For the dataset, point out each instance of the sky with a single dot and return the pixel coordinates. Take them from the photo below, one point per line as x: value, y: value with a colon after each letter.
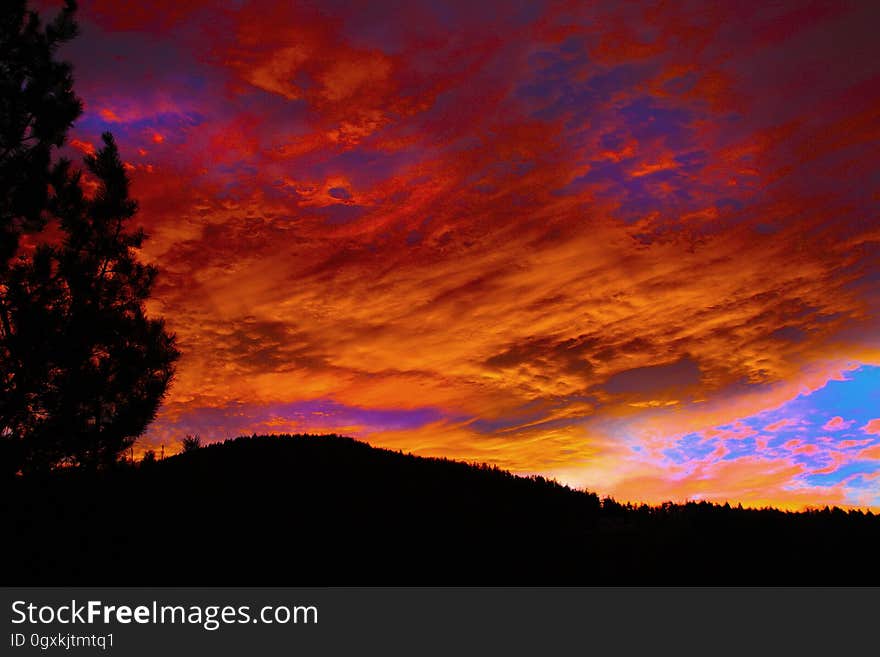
x: 632, y: 246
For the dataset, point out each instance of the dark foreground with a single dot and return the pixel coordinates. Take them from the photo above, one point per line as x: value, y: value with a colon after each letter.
x: 307, y: 511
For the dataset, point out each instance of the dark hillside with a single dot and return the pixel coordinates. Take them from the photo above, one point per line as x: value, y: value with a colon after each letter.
x: 303, y: 510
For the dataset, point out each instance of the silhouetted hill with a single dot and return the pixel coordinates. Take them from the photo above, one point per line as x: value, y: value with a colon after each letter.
x: 305, y: 510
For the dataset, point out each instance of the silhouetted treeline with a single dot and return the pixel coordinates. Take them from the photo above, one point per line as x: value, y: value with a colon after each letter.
x: 304, y: 510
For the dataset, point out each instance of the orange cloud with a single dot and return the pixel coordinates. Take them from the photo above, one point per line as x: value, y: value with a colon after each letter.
x: 584, y: 233
x: 872, y: 427
x: 754, y: 482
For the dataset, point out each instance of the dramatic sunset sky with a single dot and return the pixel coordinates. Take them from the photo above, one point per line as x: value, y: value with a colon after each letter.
x: 632, y: 246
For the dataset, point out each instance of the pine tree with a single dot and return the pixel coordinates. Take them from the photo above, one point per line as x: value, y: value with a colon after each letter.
x: 88, y: 367
x: 37, y: 108
x: 82, y: 368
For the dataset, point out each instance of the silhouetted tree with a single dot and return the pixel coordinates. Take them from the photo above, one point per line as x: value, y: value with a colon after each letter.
x: 82, y: 369
x: 190, y: 443
x: 87, y: 368
x: 37, y: 107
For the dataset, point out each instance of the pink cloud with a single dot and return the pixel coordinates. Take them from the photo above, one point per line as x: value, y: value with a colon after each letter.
x: 779, y: 424
x: 837, y: 423
x: 740, y: 431
x: 847, y: 444
x: 797, y: 446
